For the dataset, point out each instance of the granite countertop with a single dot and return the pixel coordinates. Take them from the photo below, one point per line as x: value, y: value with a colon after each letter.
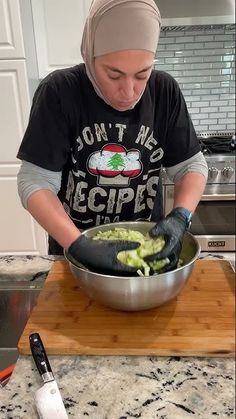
x: 119, y: 387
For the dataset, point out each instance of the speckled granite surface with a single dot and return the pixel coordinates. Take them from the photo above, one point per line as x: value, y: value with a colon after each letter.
x: 115, y: 387
x: 127, y: 387
x: 25, y: 268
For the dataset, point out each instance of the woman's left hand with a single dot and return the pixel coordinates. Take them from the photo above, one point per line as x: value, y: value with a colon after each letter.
x: 172, y: 229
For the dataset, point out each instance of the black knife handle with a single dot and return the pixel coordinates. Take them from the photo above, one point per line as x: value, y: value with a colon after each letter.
x: 39, y: 354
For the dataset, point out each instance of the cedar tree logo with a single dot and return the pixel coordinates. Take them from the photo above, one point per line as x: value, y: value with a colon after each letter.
x: 114, y: 165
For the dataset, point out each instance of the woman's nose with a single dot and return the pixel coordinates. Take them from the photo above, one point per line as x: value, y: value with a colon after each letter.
x: 127, y: 89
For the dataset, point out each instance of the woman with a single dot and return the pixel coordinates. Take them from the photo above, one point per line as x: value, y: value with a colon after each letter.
x: 98, y: 135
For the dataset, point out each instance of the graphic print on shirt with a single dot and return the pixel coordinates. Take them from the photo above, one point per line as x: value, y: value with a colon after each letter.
x: 111, y: 181
x: 114, y: 165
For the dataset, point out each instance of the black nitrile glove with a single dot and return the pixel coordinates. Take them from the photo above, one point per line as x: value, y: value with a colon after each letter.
x: 172, y: 229
x: 101, y: 255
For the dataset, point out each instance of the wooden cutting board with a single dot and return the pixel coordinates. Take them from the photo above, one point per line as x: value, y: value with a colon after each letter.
x: 200, y: 321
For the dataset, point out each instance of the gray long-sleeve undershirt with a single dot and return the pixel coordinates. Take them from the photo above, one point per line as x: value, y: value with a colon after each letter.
x: 32, y: 178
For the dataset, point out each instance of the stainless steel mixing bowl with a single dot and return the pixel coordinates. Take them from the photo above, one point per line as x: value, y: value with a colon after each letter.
x: 135, y: 293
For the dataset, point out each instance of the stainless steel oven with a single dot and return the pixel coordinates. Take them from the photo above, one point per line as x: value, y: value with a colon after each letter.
x: 213, y: 222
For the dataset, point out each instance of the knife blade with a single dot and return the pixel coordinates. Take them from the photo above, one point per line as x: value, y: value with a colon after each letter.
x: 48, y: 398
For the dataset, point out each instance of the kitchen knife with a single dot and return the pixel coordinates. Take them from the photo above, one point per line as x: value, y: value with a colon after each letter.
x: 48, y: 399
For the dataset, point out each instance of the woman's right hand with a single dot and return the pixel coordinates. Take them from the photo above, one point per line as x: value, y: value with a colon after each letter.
x: 101, y: 255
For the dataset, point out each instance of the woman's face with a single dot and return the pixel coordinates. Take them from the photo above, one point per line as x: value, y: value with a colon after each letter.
x: 122, y: 76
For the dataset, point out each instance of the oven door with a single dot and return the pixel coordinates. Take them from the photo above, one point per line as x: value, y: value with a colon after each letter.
x: 213, y: 222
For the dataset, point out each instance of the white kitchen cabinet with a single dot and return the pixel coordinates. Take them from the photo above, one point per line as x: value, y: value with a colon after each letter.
x: 19, y: 233
x: 58, y: 28
x: 14, y: 108
x: 11, y: 40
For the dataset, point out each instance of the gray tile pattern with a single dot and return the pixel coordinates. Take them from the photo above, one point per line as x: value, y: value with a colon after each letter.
x: 203, y: 63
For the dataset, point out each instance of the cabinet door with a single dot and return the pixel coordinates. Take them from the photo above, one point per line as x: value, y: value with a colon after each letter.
x: 20, y: 234
x: 58, y: 28
x: 11, y: 38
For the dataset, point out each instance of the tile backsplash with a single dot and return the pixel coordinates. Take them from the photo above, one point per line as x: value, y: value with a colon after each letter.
x: 202, y: 60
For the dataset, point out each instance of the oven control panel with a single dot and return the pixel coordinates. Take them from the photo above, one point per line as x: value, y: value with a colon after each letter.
x: 221, y: 170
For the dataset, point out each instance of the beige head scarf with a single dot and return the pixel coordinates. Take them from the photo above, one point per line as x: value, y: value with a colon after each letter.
x: 116, y: 25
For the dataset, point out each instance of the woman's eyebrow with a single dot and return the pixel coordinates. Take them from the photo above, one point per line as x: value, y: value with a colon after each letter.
x: 121, y: 72
x: 145, y: 69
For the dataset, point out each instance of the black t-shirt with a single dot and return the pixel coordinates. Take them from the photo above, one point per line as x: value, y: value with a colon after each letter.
x: 110, y: 160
